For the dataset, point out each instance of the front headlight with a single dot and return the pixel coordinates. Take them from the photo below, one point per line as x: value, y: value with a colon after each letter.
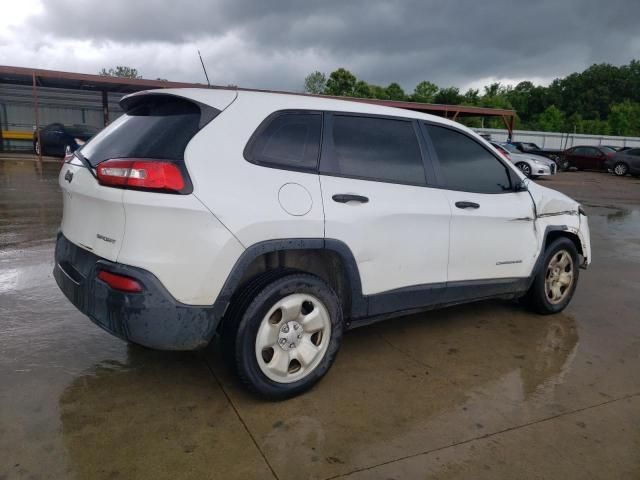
x: 79, y: 141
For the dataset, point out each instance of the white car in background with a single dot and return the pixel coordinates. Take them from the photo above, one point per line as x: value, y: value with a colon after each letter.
x: 531, y: 165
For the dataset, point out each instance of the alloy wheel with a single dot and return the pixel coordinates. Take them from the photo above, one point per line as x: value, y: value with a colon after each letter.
x: 526, y: 169
x: 620, y: 169
x: 559, y: 277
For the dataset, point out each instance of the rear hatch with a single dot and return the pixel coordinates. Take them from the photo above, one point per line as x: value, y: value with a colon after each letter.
x: 153, y: 132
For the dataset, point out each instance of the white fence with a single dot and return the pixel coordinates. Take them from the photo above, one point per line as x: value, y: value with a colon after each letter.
x: 559, y: 140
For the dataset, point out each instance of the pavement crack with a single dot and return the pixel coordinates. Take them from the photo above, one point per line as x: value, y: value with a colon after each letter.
x: 244, y: 424
x: 405, y: 353
x: 482, y: 437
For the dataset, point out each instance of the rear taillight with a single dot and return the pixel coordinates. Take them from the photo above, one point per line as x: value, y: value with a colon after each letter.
x: 120, y: 282
x: 505, y: 155
x: 144, y: 174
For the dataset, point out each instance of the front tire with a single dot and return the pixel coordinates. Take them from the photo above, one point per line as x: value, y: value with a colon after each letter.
x: 555, y: 283
x: 563, y: 164
x: 287, y: 336
x: 620, y: 169
x: 524, y: 168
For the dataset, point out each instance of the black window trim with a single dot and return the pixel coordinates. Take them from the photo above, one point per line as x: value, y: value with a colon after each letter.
x: 511, y: 174
x: 328, y: 149
x: 265, y: 124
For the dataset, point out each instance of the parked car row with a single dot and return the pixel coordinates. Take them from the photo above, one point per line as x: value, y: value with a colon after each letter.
x: 529, y: 158
x: 621, y: 162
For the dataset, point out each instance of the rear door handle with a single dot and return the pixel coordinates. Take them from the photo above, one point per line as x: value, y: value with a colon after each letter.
x: 345, y: 197
x: 467, y: 205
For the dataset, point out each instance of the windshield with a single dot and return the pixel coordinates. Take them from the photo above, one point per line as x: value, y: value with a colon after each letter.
x: 607, y: 150
x: 510, y: 148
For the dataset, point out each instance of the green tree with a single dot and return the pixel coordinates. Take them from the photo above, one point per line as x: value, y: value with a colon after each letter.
x: 448, y: 96
x: 378, y: 92
x: 471, y: 97
x: 120, y: 71
x: 551, y: 120
x: 341, y: 83
x: 575, y: 123
x: 315, y: 83
x: 395, y: 92
x: 362, y: 90
x: 596, y: 127
x: 424, y: 92
x: 624, y: 118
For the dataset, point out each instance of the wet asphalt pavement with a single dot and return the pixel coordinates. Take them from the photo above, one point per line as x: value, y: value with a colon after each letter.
x: 479, y: 391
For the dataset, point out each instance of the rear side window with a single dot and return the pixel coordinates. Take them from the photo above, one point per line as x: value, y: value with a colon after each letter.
x: 372, y: 148
x: 467, y: 165
x: 157, y: 127
x: 288, y: 140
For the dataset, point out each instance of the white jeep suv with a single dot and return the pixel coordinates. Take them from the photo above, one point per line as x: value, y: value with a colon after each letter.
x: 276, y: 222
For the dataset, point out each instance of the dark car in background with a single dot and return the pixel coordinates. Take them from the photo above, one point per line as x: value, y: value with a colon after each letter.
x: 56, y: 137
x: 623, y: 162
x: 587, y: 157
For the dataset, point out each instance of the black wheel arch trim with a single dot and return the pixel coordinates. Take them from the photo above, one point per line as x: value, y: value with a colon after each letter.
x: 358, y: 304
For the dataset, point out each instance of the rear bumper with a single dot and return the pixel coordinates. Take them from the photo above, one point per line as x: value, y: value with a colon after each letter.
x: 152, y: 318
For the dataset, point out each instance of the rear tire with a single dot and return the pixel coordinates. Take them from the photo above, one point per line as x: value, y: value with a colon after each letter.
x: 555, y: 283
x: 286, y: 334
x: 620, y: 169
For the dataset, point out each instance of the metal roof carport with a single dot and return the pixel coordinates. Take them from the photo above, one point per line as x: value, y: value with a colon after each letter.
x: 106, y: 84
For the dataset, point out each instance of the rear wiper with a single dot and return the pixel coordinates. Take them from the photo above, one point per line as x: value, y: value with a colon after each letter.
x: 84, y: 161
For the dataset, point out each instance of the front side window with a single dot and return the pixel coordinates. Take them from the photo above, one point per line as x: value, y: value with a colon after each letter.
x: 380, y: 149
x: 592, y: 152
x: 466, y: 165
x: 635, y: 152
x: 289, y: 140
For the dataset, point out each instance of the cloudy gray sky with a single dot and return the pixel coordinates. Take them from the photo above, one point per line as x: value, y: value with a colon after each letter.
x: 274, y: 44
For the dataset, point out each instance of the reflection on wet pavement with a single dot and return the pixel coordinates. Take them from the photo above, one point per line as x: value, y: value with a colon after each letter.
x: 481, y: 391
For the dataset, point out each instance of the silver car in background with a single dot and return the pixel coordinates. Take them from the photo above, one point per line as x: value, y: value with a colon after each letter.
x: 530, y: 164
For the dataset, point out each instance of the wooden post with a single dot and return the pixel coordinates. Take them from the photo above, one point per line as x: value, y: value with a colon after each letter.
x: 105, y: 107
x: 37, y: 115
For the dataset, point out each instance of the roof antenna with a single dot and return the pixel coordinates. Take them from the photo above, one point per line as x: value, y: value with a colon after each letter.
x: 205, y: 70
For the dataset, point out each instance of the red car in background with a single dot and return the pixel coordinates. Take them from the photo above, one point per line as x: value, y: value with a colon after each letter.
x: 587, y: 157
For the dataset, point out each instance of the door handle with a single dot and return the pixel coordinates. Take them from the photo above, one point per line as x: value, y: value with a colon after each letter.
x: 345, y: 197
x: 467, y: 205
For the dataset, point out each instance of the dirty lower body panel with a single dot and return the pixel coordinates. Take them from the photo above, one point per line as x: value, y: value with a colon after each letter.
x: 152, y: 318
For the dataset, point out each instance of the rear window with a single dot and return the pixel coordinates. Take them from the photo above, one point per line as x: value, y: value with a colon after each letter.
x: 158, y: 127
x: 81, y: 130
